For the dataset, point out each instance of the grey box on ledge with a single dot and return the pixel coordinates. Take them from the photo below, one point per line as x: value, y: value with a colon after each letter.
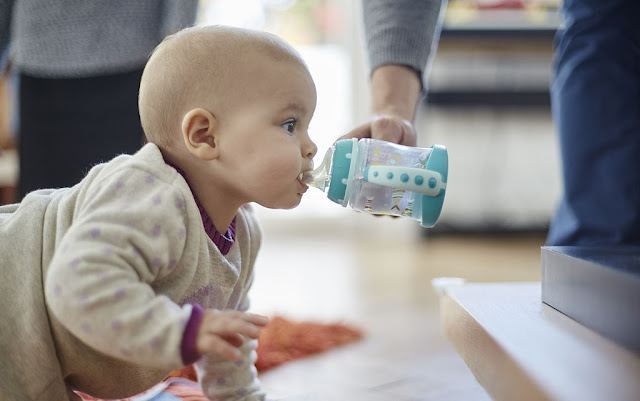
x: 597, y: 286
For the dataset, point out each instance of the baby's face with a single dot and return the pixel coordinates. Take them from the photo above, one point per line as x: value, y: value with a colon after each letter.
x: 271, y: 146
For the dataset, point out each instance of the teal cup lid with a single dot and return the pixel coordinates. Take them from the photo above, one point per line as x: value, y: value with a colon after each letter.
x: 340, y: 167
x: 432, y: 205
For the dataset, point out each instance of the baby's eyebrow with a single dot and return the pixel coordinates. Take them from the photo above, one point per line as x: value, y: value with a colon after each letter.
x: 294, y: 106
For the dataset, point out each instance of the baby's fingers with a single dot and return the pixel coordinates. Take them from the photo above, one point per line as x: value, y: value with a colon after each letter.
x: 239, y: 326
x: 234, y: 339
x: 246, y: 324
x: 226, y: 323
x: 212, y: 344
x: 258, y: 320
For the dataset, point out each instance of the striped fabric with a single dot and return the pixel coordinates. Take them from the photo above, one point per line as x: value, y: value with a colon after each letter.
x: 172, y: 389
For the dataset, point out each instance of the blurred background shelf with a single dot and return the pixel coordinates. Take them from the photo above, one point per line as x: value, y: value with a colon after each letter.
x: 489, y: 102
x: 500, y: 19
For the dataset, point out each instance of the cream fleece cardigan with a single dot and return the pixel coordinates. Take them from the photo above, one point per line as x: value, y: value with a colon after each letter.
x: 98, y: 281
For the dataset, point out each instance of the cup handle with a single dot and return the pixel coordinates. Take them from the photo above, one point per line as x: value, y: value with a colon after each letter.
x: 426, y: 182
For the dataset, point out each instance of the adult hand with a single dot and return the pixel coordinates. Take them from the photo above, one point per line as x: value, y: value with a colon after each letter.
x: 395, y: 92
x: 221, y: 332
x: 388, y: 128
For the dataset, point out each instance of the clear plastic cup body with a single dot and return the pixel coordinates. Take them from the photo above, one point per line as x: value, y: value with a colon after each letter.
x: 383, y: 178
x: 374, y: 198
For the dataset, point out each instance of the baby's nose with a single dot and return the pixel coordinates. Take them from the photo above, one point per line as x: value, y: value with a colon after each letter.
x: 311, y: 149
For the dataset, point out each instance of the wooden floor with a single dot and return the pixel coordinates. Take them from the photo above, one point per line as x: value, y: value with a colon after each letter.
x: 382, y: 285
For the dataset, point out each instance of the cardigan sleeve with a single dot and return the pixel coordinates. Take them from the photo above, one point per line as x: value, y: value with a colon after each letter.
x: 128, y: 233
x: 401, y: 32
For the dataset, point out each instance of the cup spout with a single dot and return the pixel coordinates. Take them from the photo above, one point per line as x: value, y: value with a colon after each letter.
x: 321, y: 176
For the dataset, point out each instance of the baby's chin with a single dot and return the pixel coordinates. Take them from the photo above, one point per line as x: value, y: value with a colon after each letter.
x: 283, y: 204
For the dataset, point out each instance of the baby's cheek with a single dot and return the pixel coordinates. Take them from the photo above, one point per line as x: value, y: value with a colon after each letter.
x: 284, y: 169
x: 279, y: 181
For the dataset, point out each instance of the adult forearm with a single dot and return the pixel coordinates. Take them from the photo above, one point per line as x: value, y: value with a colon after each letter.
x: 395, y: 91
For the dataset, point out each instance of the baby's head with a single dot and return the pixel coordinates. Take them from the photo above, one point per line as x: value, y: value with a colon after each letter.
x: 208, y: 67
x: 230, y: 102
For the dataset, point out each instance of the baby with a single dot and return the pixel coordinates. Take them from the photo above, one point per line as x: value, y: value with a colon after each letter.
x: 144, y: 266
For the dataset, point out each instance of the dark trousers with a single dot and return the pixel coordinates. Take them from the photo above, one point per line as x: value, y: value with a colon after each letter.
x: 66, y: 126
x: 596, y: 109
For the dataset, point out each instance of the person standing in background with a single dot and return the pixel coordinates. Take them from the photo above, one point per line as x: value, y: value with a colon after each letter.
x: 595, y: 97
x: 79, y: 65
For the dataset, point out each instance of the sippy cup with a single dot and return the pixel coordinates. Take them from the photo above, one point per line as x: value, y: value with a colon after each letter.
x: 380, y: 177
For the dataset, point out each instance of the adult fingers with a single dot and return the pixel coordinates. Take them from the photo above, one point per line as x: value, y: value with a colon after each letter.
x: 388, y: 128
x: 362, y: 131
x: 393, y: 129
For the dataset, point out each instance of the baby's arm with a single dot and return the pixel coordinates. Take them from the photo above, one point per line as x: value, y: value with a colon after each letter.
x: 129, y: 231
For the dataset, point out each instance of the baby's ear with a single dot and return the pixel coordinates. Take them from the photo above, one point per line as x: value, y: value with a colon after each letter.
x: 198, y: 129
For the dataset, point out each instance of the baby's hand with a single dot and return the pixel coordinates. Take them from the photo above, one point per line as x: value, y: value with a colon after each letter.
x: 221, y: 332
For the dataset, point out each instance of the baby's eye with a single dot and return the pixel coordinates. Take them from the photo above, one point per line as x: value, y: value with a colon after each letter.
x: 289, y: 126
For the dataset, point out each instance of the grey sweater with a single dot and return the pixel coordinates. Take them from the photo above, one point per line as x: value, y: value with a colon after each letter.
x: 84, y: 38
x: 401, y: 32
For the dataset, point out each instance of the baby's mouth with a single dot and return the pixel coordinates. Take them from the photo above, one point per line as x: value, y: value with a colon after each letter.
x: 306, y: 175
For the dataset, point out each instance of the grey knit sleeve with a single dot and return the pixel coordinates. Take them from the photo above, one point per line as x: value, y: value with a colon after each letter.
x: 400, y: 31
x: 177, y: 14
x: 6, y: 8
